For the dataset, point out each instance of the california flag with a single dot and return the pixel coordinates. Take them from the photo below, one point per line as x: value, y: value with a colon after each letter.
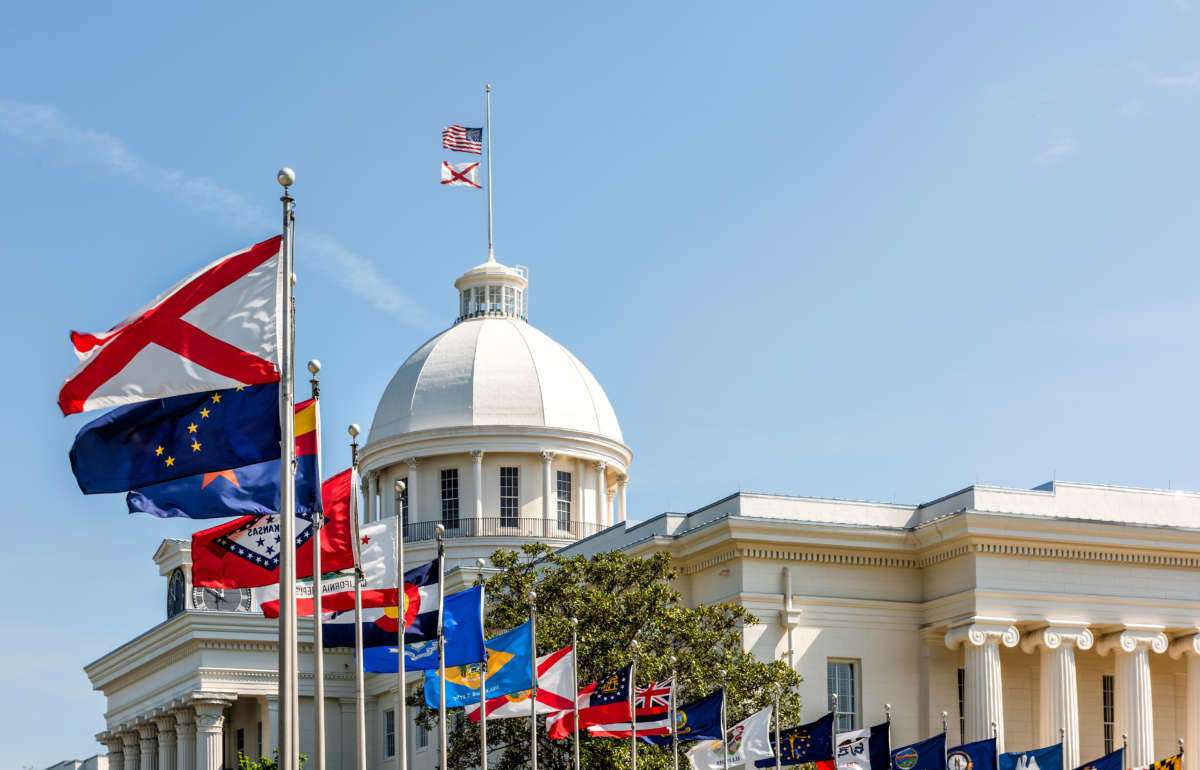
x: 555, y: 689
x: 749, y: 741
x: 216, y: 329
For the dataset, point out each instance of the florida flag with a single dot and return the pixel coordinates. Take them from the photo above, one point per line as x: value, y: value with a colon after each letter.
x: 218, y: 328
x: 555, y: 685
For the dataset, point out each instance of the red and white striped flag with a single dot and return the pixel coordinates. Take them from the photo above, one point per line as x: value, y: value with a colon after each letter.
x: 463, y: 139
x: 652, y: 705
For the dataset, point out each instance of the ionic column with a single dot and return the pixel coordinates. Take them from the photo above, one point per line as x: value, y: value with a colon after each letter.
x: 116, y: 749
x: 414, y: 466
x: 131, y: 753
x: 477, y: 470
x: 210, y: 718
x: 373, y: 496
x: 1059, y: 690
x: 1189, y: 646
x: 185, y: 738
x: 981, y: 642
x: 1134, y: 712
x: 166, y: 741
x: 601, y: 492
x: 622, y: 482
x: 548, y: 495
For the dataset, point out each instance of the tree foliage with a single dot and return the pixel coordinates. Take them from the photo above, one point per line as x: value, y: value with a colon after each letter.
x: 616, y: 599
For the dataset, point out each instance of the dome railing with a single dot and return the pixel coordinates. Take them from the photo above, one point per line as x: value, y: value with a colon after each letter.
x: 554, y: 529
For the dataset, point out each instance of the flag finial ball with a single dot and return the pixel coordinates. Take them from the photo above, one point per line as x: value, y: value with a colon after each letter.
x: 286, y: 176
x: 314, y: 366
x: 440, y: 529
x: 400, y: 488
x: 353, y: 430
x: 479, y: 563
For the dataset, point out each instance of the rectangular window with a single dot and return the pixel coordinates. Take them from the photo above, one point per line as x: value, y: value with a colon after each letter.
x: 402, y: 504
x: 450, y: 498
x: 510, y: 494
x: 259, y: 744
x: 465, y: 309
x: 1110, y: 711
x: 842, y: 680
x: 480, y: 304
x: 389, y: 733
x: 423, y: 736
x: 494, y: 298
x: 509, y: 301
x: 564, y: 500
x: 962, y: 705
x: 241, y: 739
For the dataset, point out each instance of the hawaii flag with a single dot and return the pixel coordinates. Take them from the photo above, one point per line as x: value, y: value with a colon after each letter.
x: 749, y: 740
x: 218, y: 328
x: 555, y: 685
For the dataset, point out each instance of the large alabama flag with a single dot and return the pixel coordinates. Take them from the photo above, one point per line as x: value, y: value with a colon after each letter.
x: 555, y: 685
x: 218, y: 328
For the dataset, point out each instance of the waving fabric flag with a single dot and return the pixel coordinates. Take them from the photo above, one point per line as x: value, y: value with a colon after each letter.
x: 555, y: 672
x: 463, y: 139
x: 697, y: 721
x: 461, y: 174
x: 509, y: 670
x: 978, y: 755
x: 929, y: 754
x: 1048, y: 758
x: 651, y: 704
x: 1170, y: 763
x: 868, y: 749
x: 805, y: 744
x: 749, y: 742
x: 215, y: 329
x: 605, y: 701
x: 462, y: 628
x: 169, y: 438
x: 1115, y: 760
x: 245, y: 552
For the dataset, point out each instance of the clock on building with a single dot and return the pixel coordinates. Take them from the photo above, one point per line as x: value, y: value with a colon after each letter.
x: 176, y: 593
x: 222, y: 599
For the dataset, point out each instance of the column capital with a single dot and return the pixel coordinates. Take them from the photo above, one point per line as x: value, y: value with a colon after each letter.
x: 185, y: 716
x: 1183, y: 646
x: 147, y: 730
x: 981, y: 631
x: 547, y: 455
x: 476, y: 456
x: 1133, y: 637
x: 164, y: 720
x: 623, y: 479
x: 599, y: 465
x: 1057, y: 634
x: 413, y: 462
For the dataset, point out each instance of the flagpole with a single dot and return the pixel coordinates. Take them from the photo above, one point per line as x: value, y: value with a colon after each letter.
x: 488, y: 138
x: 674, y: 719
x: 724, y: 731
x: 401, y: 612
x: 360, y: 697
x: 483, y: 758
x: 575, y: 683
x: 533, y: 747
x: 834, y: 725
x: 318, y: 521
x: 287, y: 728
x: 633, y: 646
x: 441, y: 641
x: 777, y: 745
x: 887, y: 712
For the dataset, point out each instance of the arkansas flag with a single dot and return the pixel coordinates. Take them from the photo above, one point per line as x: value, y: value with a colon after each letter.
x: 218, y: 328
x: 555, y: 685
x: 236, y: 555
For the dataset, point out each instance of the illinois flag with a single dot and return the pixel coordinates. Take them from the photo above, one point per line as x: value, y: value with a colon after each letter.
x: 218, y: 328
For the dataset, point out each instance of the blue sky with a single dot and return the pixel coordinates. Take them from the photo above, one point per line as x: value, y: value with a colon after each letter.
x: 876, y: 251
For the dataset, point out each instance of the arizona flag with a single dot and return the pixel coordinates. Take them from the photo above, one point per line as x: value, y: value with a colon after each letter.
x: 218, y: 328
x: 244, y: 553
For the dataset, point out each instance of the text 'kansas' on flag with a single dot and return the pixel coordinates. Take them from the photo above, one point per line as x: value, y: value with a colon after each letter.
x: 463, y: 139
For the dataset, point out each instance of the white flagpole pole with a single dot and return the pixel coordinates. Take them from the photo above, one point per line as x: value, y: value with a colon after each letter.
x: 674, y: 719
x: 724, y: 730
x: 533, y: 747
x: 441, y: 642
x: 633, y: 645
x: 575, y: 683
x: 483, y: 757
x: 318, y: 521
x: 360, y: 697
x: 401, y: 714
x: 488, y: 138
x: 287, y: 728
x: 777, y: 744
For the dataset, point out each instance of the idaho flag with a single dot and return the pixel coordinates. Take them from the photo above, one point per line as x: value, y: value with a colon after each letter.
x: 980, y: 755
x: 509, y: 670
x: 168, y: 438
x: 462, y: 628
x: 251, y: 490
x: 697, y: 721
x: 801, y: 745
x: 1049, y: 758
x: 1114, y: 760
x: 929, y: 754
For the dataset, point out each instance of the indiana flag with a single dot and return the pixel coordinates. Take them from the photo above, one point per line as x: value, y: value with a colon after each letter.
x: 605, y: 701
x: 555, y: 686
x: 218, y: 328
x: 461, y: 174
x: 808, y: 743
x: 245, y: 553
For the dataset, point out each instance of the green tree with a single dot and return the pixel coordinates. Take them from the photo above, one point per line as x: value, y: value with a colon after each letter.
x: 616, y: 599
x: 264, y: 763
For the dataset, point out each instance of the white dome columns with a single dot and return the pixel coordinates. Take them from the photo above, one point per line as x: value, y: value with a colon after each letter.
x: 477, y: 474
x: 1059, y: 688
x: 984, y: 705
x: 1189, y: 647
x: 1134, y: 712
x: 549, y: 497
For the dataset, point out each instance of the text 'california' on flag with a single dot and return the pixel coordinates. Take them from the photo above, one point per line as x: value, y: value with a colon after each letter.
x: 218, y: 328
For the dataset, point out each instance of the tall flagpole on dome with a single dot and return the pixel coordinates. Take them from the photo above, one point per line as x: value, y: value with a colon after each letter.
x: 360, y: 698
x: 488, y: 137
x: 288, y: 700
x: 401, y: 716
x: 318, y: 520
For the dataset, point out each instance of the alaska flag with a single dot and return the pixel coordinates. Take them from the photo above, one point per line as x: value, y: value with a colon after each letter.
x: 812, y: 742
x: 980, y: 755
x: 462, y: 626
x: 929, y: 754
x: 697, y: 721
x: 1114, y: 760
x: 509, y: 670
x: 252, y: 490
x: 169, y: 438
x: 1048, y: 758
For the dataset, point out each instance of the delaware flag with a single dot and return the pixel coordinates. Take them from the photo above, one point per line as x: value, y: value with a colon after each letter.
x: 929, y: 754
x: 1116, y: 761
x: 1049, y: 758
x: 801, y: 745
x: 250, y: 490
x: 980, y: 755
x: 509, y: 670
x: 462, y: 627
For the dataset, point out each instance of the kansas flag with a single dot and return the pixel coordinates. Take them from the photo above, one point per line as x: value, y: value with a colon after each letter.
x: 1049, y: 758
x: 929, y: 754
x: 509, y: 670
x: 462, y: 627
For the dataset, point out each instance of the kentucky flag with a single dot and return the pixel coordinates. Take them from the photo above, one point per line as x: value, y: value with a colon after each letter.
x: 697, y: 721
x: 980, y: 755
x: 810, y: 743
x: 169, y: 438
x: 1114, y: 760
x: 1049, y: 758
x: 929, y: 754
x: 462, y: 628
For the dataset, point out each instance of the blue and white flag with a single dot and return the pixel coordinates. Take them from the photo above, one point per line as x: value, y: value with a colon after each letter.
x: 509, y: 670
x: 1114, y: 760
x: 462, y: 628
x: 1049, y: 758
x: 867, y: 749
x: 929, y: 754
x: 980, y: 755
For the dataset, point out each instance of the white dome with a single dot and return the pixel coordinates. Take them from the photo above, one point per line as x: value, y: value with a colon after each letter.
x: 493, y: 371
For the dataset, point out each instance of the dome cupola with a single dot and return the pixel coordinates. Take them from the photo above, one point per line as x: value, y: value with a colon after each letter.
x: 493, y: 290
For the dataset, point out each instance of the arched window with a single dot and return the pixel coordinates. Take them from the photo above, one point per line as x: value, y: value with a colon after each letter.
x: 176, y: 594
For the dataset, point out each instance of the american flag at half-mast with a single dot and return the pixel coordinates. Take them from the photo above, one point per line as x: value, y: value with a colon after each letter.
x: 463, y: 139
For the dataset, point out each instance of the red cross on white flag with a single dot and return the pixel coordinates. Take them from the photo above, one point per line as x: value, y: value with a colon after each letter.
x: 461, y: 174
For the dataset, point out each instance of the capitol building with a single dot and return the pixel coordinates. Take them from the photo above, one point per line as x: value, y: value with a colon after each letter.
x: 1066, y: 609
